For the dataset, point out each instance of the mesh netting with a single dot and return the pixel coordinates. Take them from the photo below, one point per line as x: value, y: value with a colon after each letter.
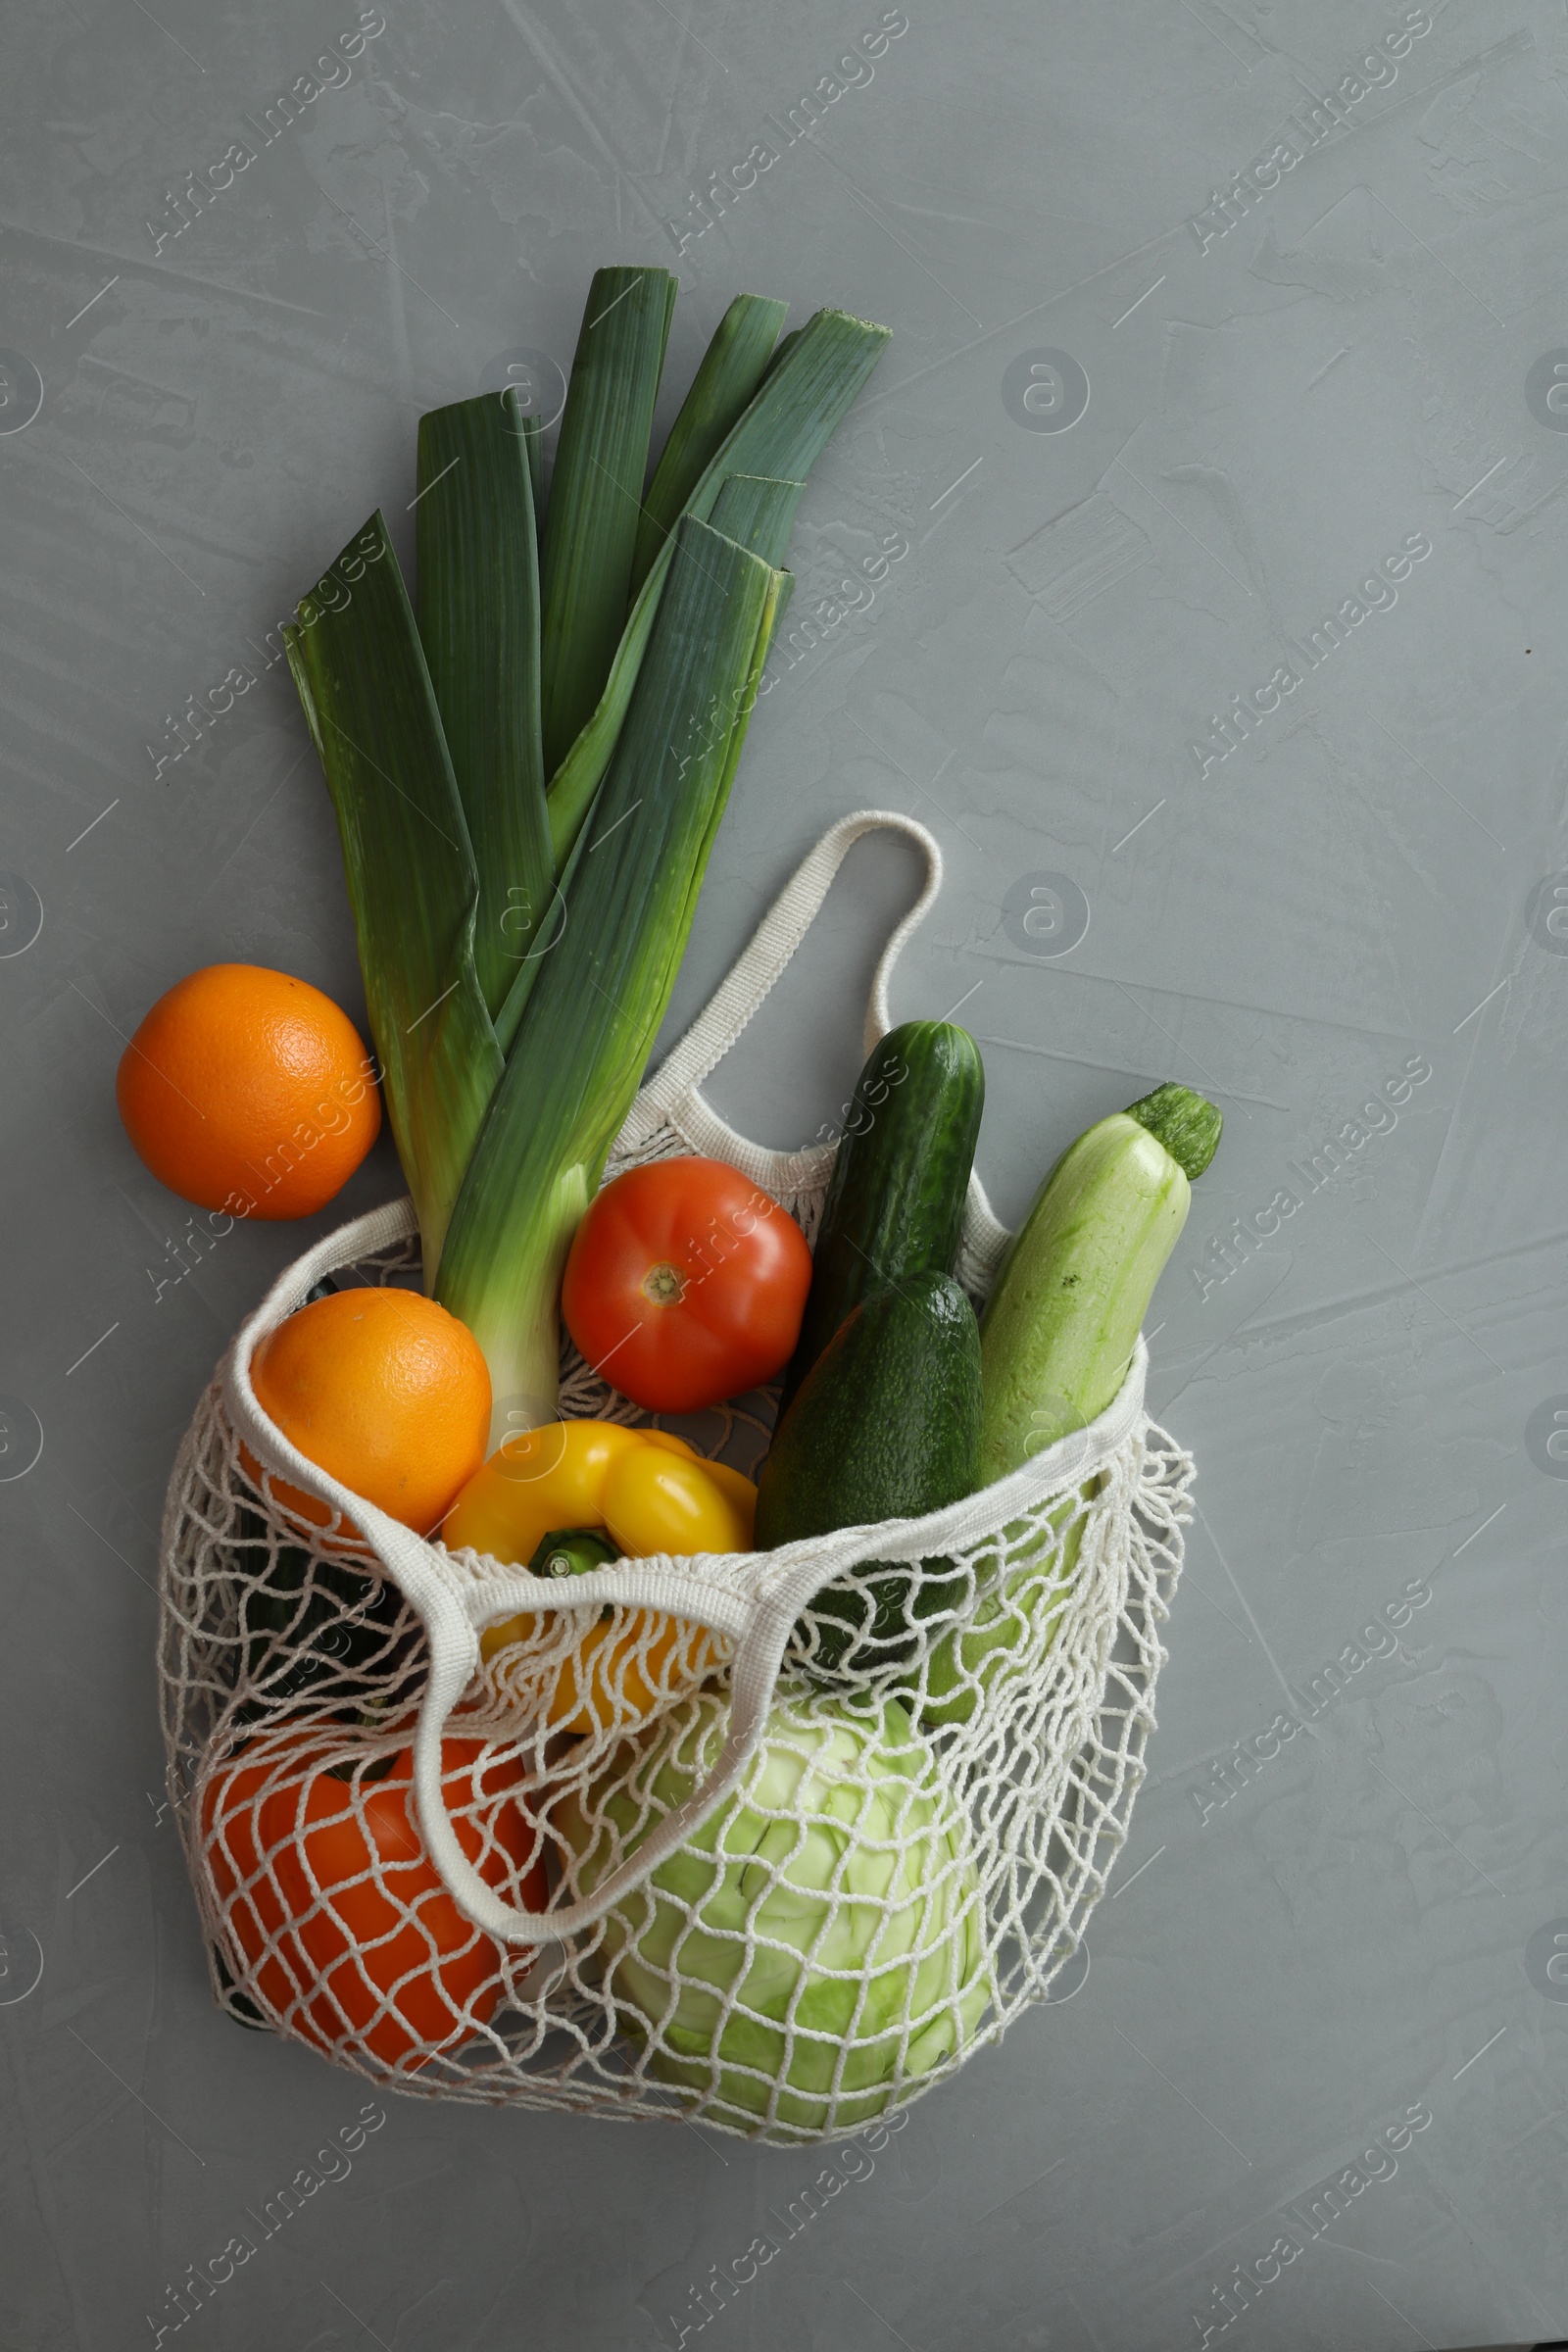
x: 935, y: 1795
x: 772, y: 1840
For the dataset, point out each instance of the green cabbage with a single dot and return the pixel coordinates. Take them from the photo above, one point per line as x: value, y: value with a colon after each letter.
x: 818, y: 1942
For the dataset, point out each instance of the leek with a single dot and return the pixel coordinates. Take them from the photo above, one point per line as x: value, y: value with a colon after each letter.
x: 533, y: 441
x: 760, y: 513
x: 733, y: 366
x: 782, y: 433
x: 413, y: 883
x: 480, y: 623
x: 784, y: 346
x: 517, y: 960
x: 590, y: 532
x: 601, y: 994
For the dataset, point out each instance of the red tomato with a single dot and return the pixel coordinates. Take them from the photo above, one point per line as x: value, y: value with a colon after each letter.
x: 686, y: 1284
x: 350, y: 1937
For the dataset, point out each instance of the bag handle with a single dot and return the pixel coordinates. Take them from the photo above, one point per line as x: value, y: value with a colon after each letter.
x: 780, y: 932
x: 670, y: 1096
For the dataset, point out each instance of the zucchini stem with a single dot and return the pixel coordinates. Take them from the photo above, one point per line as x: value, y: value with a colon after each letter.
x: 1186, y: 1124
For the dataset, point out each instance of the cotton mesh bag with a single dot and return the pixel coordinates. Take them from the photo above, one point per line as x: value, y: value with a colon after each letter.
x: 773, y: 1840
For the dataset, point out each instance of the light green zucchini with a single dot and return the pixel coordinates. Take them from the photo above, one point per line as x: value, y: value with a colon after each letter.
x: 1056, y: 1338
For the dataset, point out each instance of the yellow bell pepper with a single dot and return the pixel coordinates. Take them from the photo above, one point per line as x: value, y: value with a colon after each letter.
x: 545, y: 1479
x: 652, y: 1493
x: 657, y: 1501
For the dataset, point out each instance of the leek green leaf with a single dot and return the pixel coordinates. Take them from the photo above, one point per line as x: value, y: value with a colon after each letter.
x: 761, y: 515
x: 480, y: 625
x: 757, y: 512
x: 784, y: 346
x: 732, y: 366
x: 360, y: 667
x: 533, y: 442
x: 601, y: 991
x: 782, y: 433
x: 596, y: 493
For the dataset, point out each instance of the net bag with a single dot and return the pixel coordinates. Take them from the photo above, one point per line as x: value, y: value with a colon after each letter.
x: 771, y: 1841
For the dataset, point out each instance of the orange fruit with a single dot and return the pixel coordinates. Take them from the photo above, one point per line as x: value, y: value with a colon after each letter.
x: 385, y: 1391
x: 248, y: 1090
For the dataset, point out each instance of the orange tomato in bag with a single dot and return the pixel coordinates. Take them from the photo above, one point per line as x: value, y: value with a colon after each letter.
x: 336, y: 1908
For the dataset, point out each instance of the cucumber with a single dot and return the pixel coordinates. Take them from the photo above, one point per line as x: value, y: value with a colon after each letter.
x: 886, y: 1425
x: 313, y: 1624
x: 1057, y: 1334
x: 895, y: 1203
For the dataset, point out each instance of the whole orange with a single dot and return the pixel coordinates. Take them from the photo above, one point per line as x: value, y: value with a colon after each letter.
x: 248, y: 1090
x: 385, y: 1391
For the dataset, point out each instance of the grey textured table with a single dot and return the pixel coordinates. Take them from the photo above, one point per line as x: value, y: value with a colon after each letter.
x: 1220, y: 639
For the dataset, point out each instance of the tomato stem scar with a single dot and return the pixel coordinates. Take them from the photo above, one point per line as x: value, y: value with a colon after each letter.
x: 664, y: 1284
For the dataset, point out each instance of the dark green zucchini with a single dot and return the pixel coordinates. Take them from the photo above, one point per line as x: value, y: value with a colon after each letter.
x: 886, y: 1425
x: 308, y: 1624
x: 895, y: 1203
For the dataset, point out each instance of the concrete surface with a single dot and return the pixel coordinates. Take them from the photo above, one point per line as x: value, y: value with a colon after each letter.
x: 1130, y: 447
